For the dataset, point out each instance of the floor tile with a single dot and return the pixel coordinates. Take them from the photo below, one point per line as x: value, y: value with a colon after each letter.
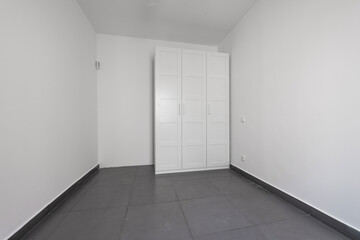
x: 187, y: 176
x: 232, y: 184
x: 145, y: 170
x: 219, y: 173
x: 197, y: 188
x: 104, y: 198
x: 152, y: 180
x: 261, y: 206
x: 155, y: 222
x: 68, y: 204
x: 211, y: 215
x: 149, y: 193
x: 113, y: 179
x: 299, y: 229
x: 91, y: 225
x: 44, y: 229
x: 251, y: 233
x: 119, y: 171
x: 217, y: 204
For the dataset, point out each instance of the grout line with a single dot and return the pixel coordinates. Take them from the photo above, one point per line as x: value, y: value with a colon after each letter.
x: 228, y: 230
x: 182, y: 210
x: 152, y: 203
x: 127, y: 206
x: 96, y: 209
x: 255, y: 225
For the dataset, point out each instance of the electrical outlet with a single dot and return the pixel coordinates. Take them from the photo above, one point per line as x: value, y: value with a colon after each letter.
x: 243, y: 158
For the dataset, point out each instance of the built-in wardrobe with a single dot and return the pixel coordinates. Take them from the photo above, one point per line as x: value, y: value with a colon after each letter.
x: 191, y: 110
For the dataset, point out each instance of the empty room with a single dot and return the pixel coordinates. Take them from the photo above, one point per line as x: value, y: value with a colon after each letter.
x: 180, y: 119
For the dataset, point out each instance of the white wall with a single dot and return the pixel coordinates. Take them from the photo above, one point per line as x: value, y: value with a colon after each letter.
x: 48, y: 136
x: 125, y: 98
x: 295, y: 76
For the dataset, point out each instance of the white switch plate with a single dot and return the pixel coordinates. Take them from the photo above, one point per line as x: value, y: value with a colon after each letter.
x: 242, y: 119
x: 243, y: 158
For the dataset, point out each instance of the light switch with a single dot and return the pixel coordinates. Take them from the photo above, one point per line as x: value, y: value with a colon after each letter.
x: 242, y: 119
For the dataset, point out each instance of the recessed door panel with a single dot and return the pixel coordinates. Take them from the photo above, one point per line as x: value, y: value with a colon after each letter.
x: 168, y: 61
x: 217, y: 133
x: 167, y: 87
x: 193, y: 110
x: 194, y: 155
x: 217, y: 65
x: 168, y: 133
x: 217, y: 88
x: 194, y: 133
x: 166, y: 158
x: 217, y: 155
x: 217, y: 111
x: 193, y: 87
x: 193, y: 63
x: 168, y: 110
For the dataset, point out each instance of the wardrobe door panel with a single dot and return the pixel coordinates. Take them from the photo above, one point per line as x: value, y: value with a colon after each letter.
x: 217, y: 110
x: 193, y: 109
x: 167, y: 109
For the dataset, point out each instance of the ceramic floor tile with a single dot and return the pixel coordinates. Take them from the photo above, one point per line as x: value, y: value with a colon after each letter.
x: 44, y: 229
x: 261, y: 206
x: 216, y: 204
x: 219, y: 173
x: 155, y: 222
x: 68, y: 204
x: 232, y: 184
x: 251, y: 233
x: 299, y: 229
x: 104, y: 198
x: 187, y: 176
x: 91, y: 225
x: 145, y: 170
x: 143, y: 194
x: 197, y: 188
x: 113, y: 180
x: 211, y: 215
x: 118, y: 171
x: 148, y: 179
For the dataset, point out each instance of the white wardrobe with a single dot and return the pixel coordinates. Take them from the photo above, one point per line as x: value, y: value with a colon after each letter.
x: 191, y: 110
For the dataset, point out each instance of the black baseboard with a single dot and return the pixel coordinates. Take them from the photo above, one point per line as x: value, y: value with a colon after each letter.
x: 21, y: 233
x: 323, y: 217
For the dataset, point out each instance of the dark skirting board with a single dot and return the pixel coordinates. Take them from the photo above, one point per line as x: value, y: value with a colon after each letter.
x: 323, y: 217
x: 22, y: 232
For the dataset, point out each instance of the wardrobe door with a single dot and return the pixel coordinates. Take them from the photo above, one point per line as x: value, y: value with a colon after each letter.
x: 193, y: 109
x: 167, y: 109
x: 217, y: 110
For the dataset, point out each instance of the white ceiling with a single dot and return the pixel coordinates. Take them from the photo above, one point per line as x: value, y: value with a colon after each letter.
x: 193, y: 21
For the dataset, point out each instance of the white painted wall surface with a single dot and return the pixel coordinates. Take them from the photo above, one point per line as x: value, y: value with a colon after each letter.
x: 125, y: 98
x: 295, y: 76
x: 48, y: 137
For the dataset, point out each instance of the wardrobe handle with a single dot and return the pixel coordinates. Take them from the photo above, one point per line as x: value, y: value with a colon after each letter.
x: 183, y: 108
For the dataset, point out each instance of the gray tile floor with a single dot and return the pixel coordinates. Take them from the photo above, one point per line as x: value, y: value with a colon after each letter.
x: 132, y: 203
